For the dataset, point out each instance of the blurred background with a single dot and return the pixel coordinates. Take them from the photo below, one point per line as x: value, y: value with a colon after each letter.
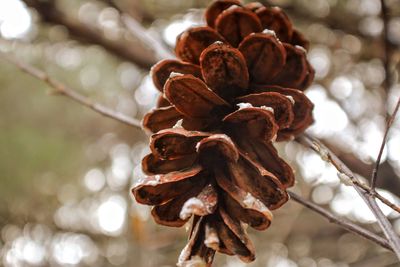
x: 65, y: 171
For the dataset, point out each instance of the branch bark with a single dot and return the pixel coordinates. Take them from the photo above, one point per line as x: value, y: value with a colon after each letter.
x: 346, y: 224
x: 389, y: 124
x: 137, y: 29
x: 368, y: 198
x: 386, y: 46
x: 64, y: 90
x: 386, y: 87
x: 138, y: 54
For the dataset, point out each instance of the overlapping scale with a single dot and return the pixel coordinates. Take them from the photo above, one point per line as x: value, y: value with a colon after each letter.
x: 236, y: 88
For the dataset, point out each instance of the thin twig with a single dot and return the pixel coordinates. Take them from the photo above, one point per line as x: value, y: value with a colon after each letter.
x: 64, y: 90
x: 389, y: 123
x: 364, y: 169
x: 346, y: 224
x: 368, y: 198
x: 386, y: 85
x: 375, y: 194
x: 141, y: 55
x: 137, y: 29
x: 386, y: 46
x: 356, y: 182
x: 155, y: 45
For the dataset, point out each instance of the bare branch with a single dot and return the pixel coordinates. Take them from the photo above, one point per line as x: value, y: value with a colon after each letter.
x: 136, y: 29
x: 389, y: 123
x: 358, y: 166
x: 356, y: 182
x: 386, y: 85
x: 64, y: 90
x: 386, y: 46
x: 138, y: 54
x: 140, y: 32
x: 346, y: 224
x: 368, y: 198
x: 375, y: 194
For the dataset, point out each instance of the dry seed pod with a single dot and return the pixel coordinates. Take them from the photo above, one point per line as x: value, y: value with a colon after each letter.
x: 236, y: 89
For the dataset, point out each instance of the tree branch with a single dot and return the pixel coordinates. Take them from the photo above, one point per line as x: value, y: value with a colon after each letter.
x: 368, y: 198
x: 138, y: 30
x: 140, y: 54
x: 361, y: 185
x: 389, y: 123
x: 386, y: 86
x: 386, y: 46
x: 64, y: 90
x: 346, y: 224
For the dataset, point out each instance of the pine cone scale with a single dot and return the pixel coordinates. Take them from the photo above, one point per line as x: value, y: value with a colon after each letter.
x: 234, y: 237
x: 168, y: 214
x: 235, y: 23
x: 254, y: 122
x: 216, y: 8
x: 265, y: 56
x: 191, y: 96
x: 161, y: 118
x: 265, y: 154
x: 273, y: 18
x: 243, y: 205
x: 203, y: 204
x: 257, y: 181
x: 295, y: 71
x: 161, y: 188
x: 280, y: 104
x: 224, y: 69
x: 163, y: 69
x: 153, y: 165
x: 192, y: 42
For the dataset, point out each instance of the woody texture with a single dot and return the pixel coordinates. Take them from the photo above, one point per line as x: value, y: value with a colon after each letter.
x: 235, y: 89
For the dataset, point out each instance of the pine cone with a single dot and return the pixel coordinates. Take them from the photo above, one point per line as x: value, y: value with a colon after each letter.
x: 236, y: 90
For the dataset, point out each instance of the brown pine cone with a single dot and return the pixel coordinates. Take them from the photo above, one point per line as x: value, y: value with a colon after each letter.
x: 236, y: 91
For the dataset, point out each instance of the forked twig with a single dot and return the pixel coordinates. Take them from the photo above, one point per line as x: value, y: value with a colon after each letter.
x: 368, y: 198
x: 367, y: 189
x: 64, y: 90
x: 346, y: 224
